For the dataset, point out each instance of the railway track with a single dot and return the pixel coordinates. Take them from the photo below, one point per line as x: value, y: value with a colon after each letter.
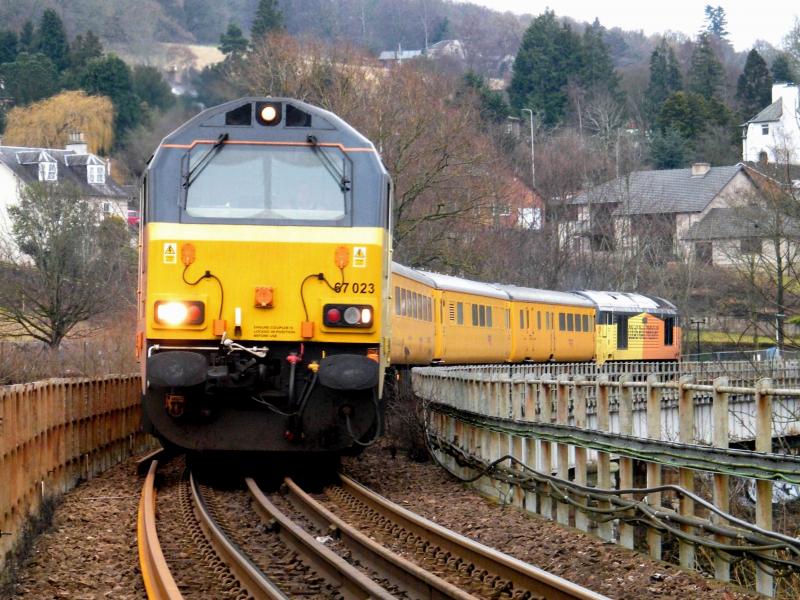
x: 346, y: 543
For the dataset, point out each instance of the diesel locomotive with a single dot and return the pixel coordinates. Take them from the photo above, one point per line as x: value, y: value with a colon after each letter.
x: 264, y: 259
x: 266, y: 314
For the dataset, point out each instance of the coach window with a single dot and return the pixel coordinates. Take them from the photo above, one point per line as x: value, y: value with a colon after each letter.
x: 482, y: 314
x: 488, y: 316
x: 538, y: 319
x: 460, y: 313
x: 527, y: 319
x: 521, y: 319
x: 586, y: 322
x: 474, y: 315
x: 562, y: 322
x: 578, y: 323
x: 397, y: 301
x: 569, y: 322
x: 669, y: 323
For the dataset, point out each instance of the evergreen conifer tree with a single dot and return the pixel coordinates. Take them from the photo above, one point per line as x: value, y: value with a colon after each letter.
x: 782, y: 70
x: 597, y: 70
x: 716, y: 21
x: 26, y: 37
x: 268, y: 18
x: 705, y: 73
x: 233, y: 42
x: 51, y: 39
x: 548, y: 56
x: 754, y: 87
x: 665, y: 78
x: 8, y: 46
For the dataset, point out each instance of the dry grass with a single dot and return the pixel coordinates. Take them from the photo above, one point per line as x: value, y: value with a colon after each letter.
x: 106, y: 348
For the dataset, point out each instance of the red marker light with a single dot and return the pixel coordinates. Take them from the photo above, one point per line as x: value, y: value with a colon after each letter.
x: 333, y: 315
x: 194, y: 314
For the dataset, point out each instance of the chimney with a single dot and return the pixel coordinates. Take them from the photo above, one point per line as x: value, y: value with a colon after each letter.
x: 700, y: 169
x: 76, y: 143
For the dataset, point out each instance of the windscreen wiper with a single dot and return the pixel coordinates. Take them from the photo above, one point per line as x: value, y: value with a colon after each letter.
x: 193, y: 173
x: 339, y: 177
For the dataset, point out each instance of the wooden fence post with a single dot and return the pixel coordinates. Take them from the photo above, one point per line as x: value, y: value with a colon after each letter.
x: 625, y: 464
x: 653, y: 469
x: 604, y: 529
x: 531, y: 393
x: 686, y: 476
x: 579, y: 411
x: 562, y: 450
x: 764, y: 580
x: 546, y: 454
x: 721, y: 498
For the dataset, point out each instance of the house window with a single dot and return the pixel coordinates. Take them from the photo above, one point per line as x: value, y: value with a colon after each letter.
x: 107, y: 208
x: 48, y: 171
x: 750, y: 245
x: 530, y: 218
x: 765, y: 129
x: 96, y: 174
x: 703, y: 252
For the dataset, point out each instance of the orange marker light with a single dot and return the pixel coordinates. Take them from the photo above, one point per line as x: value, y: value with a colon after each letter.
x: 187, y: 254
x: 342, y: 257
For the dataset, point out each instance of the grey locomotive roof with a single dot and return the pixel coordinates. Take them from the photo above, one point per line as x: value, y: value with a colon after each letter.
x: 72, y: 168
x: 736, y: 223
x: 412, y: 274
x: 466, y: 286
x: 525, y: 294
x: 665, y: 191
x: 627, y: 302
x: 773, y: 112
x: 326, y: 126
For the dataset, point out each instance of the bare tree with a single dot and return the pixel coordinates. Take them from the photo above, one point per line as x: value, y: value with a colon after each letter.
x: 72, y: 269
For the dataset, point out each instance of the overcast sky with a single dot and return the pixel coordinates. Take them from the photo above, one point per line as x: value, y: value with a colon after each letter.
x: 748, y: 21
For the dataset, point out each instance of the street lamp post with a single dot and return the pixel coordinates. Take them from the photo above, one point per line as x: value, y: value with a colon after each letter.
x: 533, y: 155
x: 697, y: 323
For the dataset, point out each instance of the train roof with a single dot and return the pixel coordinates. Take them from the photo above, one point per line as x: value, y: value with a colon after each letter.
x: 628, y: 302
x: 457, y: 284
x: 412, y: 274
x: 526, y: 294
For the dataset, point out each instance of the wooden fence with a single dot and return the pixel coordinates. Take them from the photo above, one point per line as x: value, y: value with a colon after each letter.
x: 527, y: 438
x: 57, y: 432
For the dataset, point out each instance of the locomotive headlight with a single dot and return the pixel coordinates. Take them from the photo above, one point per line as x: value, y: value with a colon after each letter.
x: 268, y: 113
x: 366, y: 315
x: 175, y: 313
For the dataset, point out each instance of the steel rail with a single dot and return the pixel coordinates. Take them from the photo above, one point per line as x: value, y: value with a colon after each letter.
x: 352, y: 583
x: 249, y: 575
x: 522, y: 575
x: 404, y: 573
x: 158, y: 581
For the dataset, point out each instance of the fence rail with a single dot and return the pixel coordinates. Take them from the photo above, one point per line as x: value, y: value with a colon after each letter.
x: 531, y: 432
x: 56, y: 432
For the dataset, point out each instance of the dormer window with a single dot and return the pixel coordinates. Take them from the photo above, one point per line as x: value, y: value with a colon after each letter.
x: 48, y: 171
x: 96, y: 174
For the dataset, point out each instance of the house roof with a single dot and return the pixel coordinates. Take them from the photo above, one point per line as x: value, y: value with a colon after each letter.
x: 773, y: 112
x: 658, y: 192
x: 72, y: 168
x: 399, y: 54
x: 736, y: 223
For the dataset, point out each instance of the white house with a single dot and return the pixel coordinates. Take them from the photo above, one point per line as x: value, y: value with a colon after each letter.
x: 20, y: 166
x: 773, y: 135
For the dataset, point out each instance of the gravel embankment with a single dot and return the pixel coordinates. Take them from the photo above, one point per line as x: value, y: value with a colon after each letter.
x: 90, y: 551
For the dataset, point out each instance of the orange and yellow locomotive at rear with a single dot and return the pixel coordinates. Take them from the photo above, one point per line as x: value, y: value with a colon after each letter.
x: 263, y: 280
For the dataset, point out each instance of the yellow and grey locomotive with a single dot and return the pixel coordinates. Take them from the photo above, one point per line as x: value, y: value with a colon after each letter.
x: 264, y: 258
